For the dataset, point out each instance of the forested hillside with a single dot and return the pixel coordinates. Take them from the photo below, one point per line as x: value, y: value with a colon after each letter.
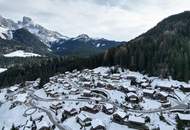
x: 162, y: 51
x: 45, y: 67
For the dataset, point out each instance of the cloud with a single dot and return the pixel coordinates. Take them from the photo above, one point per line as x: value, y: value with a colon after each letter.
x: 111, y: 19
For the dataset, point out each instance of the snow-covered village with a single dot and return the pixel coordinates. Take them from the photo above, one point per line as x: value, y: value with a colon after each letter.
x: 105, y: 98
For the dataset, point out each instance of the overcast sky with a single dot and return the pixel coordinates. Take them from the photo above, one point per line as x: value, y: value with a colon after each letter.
x: 111, y: 19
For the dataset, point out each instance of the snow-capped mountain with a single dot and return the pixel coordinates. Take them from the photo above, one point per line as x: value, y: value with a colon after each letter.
x: 8, y: 23
x: 82, y: 45
x: 45, y: 35
x: 3, y: 32
x: 53, y: 41
x: 82, y: 37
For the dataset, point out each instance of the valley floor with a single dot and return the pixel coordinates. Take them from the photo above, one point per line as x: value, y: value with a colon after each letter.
x: 99, y: 98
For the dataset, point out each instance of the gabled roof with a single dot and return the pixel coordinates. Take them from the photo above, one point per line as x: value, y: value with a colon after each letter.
x: 83, y: 117
x: 121, y: 114
x: 185, y: 117
x: 108, y: 106
x: 96, y: 122
x: 136, y: 119
x: 164, y: 94
x: 86, y: 91
x: 14, y: 88
x: 148, y: 91
x: 131, y: 94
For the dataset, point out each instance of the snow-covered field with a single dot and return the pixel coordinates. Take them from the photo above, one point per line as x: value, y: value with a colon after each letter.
x: 21, y: 53
x: 87, y: 95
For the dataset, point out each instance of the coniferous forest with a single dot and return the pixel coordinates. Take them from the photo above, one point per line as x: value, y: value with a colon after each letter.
x: 45, y: 67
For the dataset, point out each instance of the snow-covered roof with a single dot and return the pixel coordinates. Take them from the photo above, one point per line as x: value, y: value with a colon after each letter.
x: 14, y: 88
x: 66, y: 84
x: 21, y: 97
x: 90, y: 106
x: 116, y: 75
x: 82, y: 116
x: 164, y: 94
x: 136, y: 119
x: 86, y: 91
x: 108, y: 106
x: 148, y: 91
x: 131, y: 94
x: 127, y: 84
x: 131, y: 89
x: 87, y: 83
x: 186, y: 86
x: 56, y: 103
x: 121, y: 114
x: 140, y: 80
x: 144, y: 84
x: 167, y: 103
x: 74, y: 89
x: 184, y: 116
x: 165, y: 84
x: 105, y: 74
x: 69, y: 109
x: 96, y: 122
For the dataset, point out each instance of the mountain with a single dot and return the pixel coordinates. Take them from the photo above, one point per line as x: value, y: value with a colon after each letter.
x: 45, y: 35
x: 40, y: 39
x: 21, y: 39
x: 164, y: 50
x: 82, y: 45
x: 31, y: 41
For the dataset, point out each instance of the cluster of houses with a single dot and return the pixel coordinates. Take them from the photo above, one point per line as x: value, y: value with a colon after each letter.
x: 130, y: 120
x: 94, y: 84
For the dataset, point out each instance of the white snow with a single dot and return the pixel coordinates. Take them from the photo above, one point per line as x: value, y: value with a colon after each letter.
x: 148, y: 91
x: 150, y: 104
x: 7, y: 117
x: 136, y: 119
x: 68, y: 102
x: 108, y: 106
x: 21, y: 97
x: 98, y: 45
x: 21, y: 53
x: 3, y: 32
x: 131, y: 94
x: 121, y: 113
x: 13, y: 88
x: 184, y: 116
x: 2, y: 70
x: 97, y: 122
x: 101, y: 70
x: 82, y: 116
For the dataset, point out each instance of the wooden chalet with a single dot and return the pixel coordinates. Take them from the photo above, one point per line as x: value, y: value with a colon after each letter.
x: 87, y: 93
x: 91, y: 108
x: 132, y: 97
x: 108, y: 108
x: 68, y: 112
x: 120, y: 117
x: 83, y: 119
x: 97, y: 125
x: 148, y: 93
